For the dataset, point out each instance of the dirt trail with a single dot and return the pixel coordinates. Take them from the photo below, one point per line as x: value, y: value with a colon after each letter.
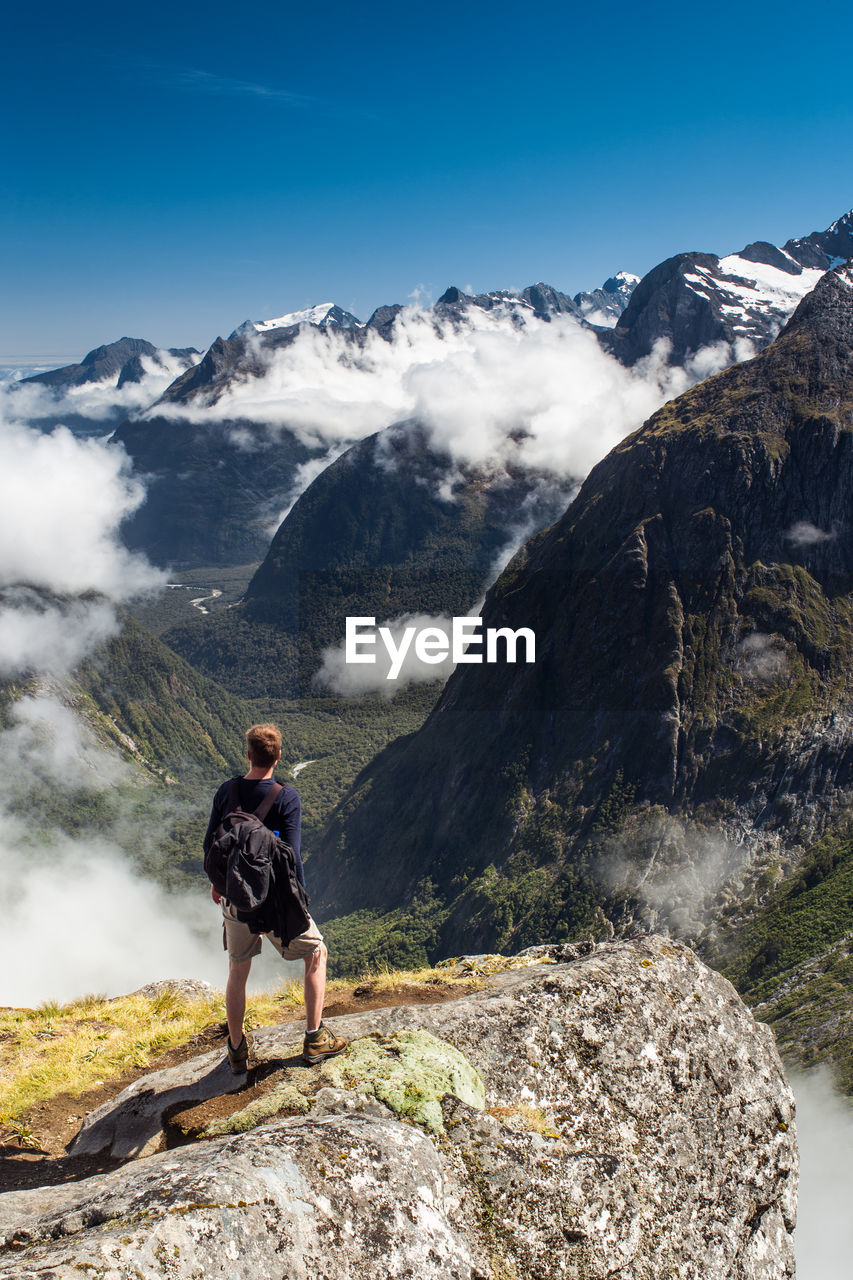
x: 56, y: 1122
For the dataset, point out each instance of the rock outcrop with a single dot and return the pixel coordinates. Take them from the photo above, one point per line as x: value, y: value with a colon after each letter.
x: 614, y: 1112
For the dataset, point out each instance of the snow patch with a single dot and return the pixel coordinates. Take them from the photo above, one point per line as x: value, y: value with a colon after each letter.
x: 311, y: 315
x: 760, y: 285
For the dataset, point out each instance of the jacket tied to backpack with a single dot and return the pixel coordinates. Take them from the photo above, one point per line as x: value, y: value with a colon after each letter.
x: 255, y: 869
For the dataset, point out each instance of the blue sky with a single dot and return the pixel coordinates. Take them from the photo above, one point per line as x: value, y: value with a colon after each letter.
x: 169, y: 173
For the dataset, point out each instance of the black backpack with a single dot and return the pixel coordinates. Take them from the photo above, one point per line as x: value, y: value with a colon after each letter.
x: 255, y: 869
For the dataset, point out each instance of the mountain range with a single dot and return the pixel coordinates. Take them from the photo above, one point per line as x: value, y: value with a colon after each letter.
x: 219, y: 478
x: 374, y: 534
x: 679, y: 752
x: 187, y: 442
x: 678, y: 755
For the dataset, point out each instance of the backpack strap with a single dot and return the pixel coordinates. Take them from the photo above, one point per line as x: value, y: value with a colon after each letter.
x: 268, y: 801
x: 232, y: 800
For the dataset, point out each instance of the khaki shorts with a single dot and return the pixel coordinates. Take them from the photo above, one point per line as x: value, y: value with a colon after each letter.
x: 241, y: 944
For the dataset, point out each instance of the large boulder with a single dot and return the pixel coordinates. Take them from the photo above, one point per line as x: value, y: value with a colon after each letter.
x: 618, y: 1111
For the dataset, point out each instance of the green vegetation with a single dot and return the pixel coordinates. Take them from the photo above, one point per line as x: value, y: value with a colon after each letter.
x: 812, y: 1016
x: 173, y: 606
x: 286, y: 1099
x: 793, y: 959
x: 803, y: 917
x: 410, y: 1071
x: 404, y: 938
x: 157, y: 709
x: 69, y: 1048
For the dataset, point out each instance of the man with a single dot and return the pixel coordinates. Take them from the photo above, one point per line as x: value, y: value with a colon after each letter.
x: 263, y: 751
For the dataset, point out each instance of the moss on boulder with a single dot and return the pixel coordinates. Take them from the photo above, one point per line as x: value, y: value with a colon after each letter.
x: 410, y: 1071
x: 285, y: 1099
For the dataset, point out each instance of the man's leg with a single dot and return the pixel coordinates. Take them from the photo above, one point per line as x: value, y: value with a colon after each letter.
x: 309, y: 946
x: 235, y: 998
x: 315, y: 987
x: 320, y: 1043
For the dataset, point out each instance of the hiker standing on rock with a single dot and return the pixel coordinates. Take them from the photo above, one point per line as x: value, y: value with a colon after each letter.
x: 273, y: 880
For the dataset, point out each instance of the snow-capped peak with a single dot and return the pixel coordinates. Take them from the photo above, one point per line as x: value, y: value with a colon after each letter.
x: 324, y: 314
x: 843, y: 222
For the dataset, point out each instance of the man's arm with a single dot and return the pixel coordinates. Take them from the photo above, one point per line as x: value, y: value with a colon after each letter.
x: 290, y: 810
x: 213, y: 824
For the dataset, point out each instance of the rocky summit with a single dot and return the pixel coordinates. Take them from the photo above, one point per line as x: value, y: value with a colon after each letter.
x: 589, y: 1111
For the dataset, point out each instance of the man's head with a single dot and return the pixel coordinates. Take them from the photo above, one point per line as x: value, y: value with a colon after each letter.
x: 263, y: 745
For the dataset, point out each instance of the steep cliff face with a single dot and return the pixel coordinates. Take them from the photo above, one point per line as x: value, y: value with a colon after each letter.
x: 379, y: 534
x: 693, y: 617
x: 614, y: 1111
x: 697, y: 300
x: 212, y: 487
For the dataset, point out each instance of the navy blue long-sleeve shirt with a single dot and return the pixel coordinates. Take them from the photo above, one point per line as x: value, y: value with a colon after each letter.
x: 285, y: 816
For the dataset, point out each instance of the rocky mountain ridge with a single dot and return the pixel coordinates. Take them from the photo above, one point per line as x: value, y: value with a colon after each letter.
x: 733, y: 305
x: 697, y: 300
x: 117, y: 362
x: 693, y: 612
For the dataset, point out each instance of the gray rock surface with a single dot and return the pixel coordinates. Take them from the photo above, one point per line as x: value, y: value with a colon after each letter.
x: 132, y: 1123
x: 191, y: 988
x: 638, y: 1123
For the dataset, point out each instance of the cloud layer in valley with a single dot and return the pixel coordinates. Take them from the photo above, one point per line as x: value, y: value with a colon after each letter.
x: 79, y: 917
x: 493, y: 392
x: 103, y: 402
x: 823, y: 1240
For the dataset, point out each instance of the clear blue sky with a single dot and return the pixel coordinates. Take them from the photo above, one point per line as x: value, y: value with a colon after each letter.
x: 167, y: 173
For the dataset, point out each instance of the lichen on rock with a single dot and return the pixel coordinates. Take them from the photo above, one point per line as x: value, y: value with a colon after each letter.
x: 410, y: 1071
x: 285, y: 1099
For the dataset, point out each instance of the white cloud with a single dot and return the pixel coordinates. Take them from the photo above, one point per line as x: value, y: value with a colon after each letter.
x: 355, y: 679
x: 81, y: 920
x: 823, y: 1240
x: 680, y: 874
x: 79, y: 917
x: 61, y: 503
x: 47, y: 740
x: 803, y: 534
x: 41, y: 637
x: 761, y: 658
x: 499, y: 391
x: 99, y: 401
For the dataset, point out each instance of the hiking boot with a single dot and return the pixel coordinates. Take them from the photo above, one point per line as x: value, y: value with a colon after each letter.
x: 321, y: 1044
x: 239, y: 1058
